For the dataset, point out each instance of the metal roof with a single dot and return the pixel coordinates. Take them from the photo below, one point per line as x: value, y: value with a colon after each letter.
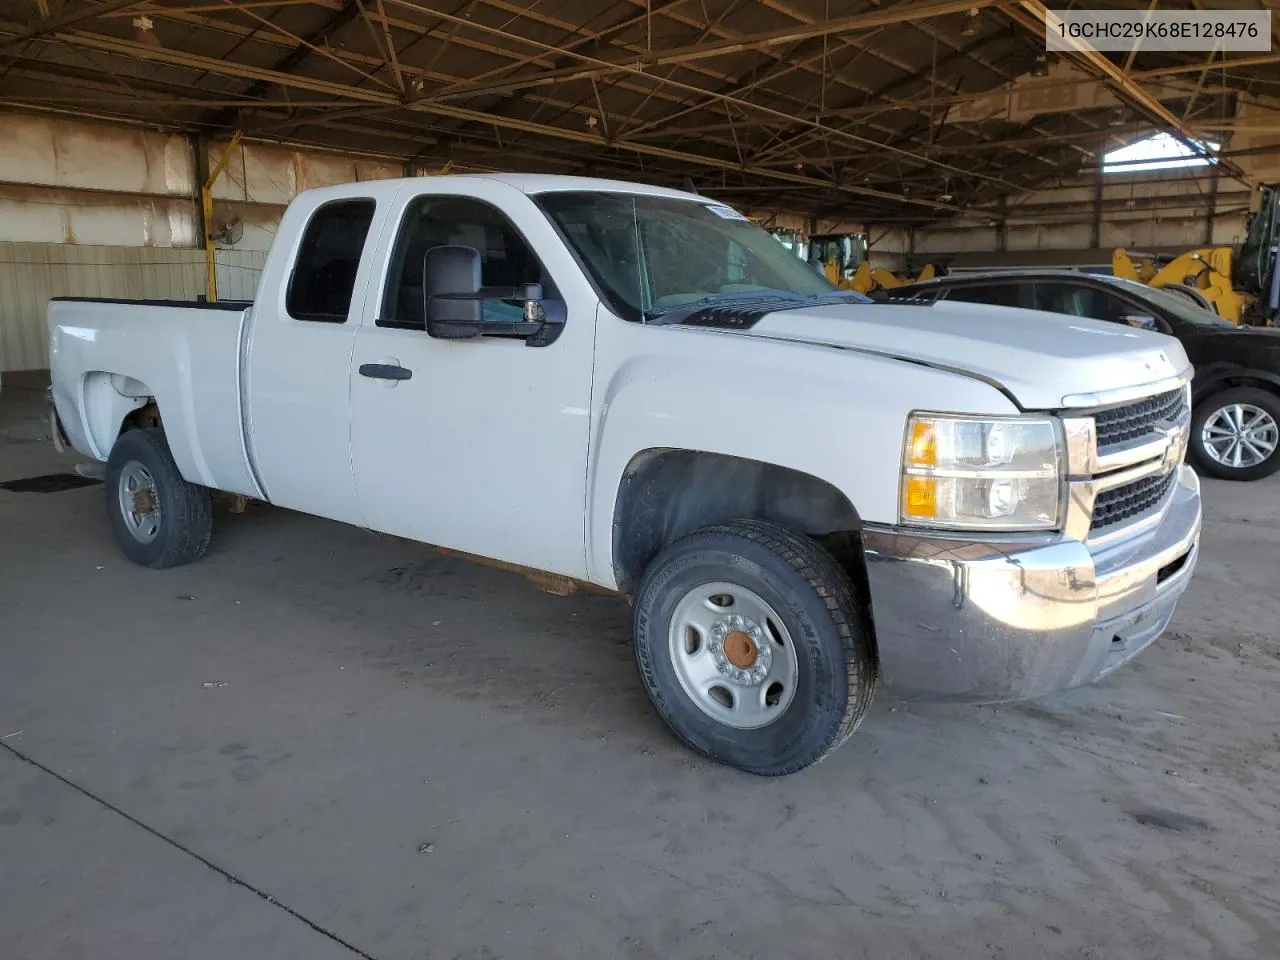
x: 862, y: 108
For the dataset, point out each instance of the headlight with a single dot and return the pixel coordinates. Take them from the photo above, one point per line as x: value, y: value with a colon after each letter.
x: 981, y: 473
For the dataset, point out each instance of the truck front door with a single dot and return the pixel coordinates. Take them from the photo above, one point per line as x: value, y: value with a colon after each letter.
x: 477, y: 445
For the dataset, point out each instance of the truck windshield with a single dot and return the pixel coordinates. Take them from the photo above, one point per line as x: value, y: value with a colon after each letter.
x: 650, y: 255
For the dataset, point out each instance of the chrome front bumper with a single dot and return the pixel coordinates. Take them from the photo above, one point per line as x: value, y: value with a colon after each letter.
x: 958, y: 619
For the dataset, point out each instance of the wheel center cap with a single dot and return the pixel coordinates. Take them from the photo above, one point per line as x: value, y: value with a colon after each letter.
x: 144, y: 502
x: 740, y: 649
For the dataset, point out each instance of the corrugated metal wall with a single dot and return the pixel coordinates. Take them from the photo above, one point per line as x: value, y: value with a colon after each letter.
x: 31, y: 273
x: 100, y: 210
x: 91, y: 209
x: 68, y: 182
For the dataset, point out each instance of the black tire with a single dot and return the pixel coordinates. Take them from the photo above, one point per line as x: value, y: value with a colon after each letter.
x: 1211, y: 404
x: 812, y: 595
x: 185, y: 521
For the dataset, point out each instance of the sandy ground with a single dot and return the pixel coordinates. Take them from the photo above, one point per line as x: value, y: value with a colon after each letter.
x: 320, y: 743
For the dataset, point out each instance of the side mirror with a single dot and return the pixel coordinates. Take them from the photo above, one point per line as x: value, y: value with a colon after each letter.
x: 450, y: 291
x: 454, y: 298
x: 1143, y: 321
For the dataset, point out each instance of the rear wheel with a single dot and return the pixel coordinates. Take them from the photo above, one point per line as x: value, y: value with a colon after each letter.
x: 1235, y: 434
x: 157, y: 517
x: 753, y: 648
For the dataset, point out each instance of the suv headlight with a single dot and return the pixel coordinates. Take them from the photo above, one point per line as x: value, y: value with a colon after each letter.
x: 981, y: 473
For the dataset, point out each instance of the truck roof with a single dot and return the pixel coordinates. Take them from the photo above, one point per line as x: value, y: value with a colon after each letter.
x: 547, y: 183
x: 534, y: 183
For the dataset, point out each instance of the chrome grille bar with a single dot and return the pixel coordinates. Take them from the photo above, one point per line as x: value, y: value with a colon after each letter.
x: 1122, y: 462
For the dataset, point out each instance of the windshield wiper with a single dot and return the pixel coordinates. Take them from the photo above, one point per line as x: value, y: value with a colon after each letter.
x: 853, y: 295
x: 762, y: 294
x: 743, y: 312
x: 789, y: 296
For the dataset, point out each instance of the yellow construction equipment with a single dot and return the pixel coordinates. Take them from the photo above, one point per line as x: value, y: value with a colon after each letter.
x: 868, y: 278
x: 838, y: 253
x: 1203, y: 276
x: 790, y: 239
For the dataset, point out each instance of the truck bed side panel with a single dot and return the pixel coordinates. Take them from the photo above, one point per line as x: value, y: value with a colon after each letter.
x: 107, y: 358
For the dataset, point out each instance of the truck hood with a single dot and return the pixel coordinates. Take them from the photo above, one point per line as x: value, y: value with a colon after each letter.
x: 1046, y: 361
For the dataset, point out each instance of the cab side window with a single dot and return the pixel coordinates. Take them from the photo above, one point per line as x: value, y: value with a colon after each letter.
x: 506, y: 259
x: 995, y: 294
x: 324, y: 273
x: 1119, y: 310
x: 1079, y: 300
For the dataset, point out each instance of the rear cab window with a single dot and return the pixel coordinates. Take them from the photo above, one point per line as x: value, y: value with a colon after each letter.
x: 324, y: 271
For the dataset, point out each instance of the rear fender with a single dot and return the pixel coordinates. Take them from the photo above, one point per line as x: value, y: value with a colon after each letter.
x: 107, y: 399
x: 1218, y: 377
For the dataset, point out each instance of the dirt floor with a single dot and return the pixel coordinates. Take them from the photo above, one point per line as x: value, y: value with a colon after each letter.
x: 319, y: 743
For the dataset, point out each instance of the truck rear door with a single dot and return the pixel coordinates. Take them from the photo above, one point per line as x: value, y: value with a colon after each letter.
x: 299, y: 351
x: 478, y: 445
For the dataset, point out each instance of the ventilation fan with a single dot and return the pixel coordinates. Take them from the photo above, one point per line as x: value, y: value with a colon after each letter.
x: 228, y: 234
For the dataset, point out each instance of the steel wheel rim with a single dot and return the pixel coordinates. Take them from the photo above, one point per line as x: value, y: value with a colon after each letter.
x: 139, y: 502
x: 1240, y: 435
x: 733, y: 655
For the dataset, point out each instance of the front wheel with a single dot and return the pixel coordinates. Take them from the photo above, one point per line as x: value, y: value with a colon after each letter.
x: 1235, y: 434
x: 158, y: 518
x: 753, y: 648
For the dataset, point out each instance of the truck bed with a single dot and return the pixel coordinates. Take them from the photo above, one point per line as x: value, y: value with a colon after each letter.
x: 199, y: 304
x: 188, y: 355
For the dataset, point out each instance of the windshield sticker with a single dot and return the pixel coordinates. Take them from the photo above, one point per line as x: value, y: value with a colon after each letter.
x: 726, y: 213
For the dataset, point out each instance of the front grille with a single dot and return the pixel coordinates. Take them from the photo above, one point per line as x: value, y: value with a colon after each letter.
x: 1133, y: 420
x: 1130, y: 500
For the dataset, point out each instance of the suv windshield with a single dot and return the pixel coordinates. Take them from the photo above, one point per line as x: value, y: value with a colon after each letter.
x: 1173, y: 303
x: 649, y: 255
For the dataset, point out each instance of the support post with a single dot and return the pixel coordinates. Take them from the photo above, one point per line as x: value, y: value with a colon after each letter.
x: 206, y: 210
x: 1211, y: 209
x: 1095, y: 232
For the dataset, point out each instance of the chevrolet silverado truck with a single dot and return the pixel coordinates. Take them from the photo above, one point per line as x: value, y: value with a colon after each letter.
x: 803, y: 493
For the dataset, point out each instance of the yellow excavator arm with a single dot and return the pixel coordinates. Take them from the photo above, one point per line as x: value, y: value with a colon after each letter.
x: 868, y: 278
x: 1203, y: 273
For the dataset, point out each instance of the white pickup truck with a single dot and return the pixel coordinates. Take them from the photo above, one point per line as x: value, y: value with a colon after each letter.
x: 804, y: 493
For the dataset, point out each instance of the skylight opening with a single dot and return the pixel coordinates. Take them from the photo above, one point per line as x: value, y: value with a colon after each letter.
x: 1157, y: 152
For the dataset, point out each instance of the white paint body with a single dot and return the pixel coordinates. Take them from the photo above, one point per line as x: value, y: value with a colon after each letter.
x: 516, y: 453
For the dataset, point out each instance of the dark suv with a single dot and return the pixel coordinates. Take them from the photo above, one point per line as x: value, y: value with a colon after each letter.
x: 1235, y: 429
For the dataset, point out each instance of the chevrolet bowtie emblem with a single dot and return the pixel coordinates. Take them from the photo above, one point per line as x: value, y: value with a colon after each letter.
x: 1176, y: 441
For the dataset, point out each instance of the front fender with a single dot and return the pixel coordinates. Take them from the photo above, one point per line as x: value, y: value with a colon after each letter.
x: 831, y: 413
